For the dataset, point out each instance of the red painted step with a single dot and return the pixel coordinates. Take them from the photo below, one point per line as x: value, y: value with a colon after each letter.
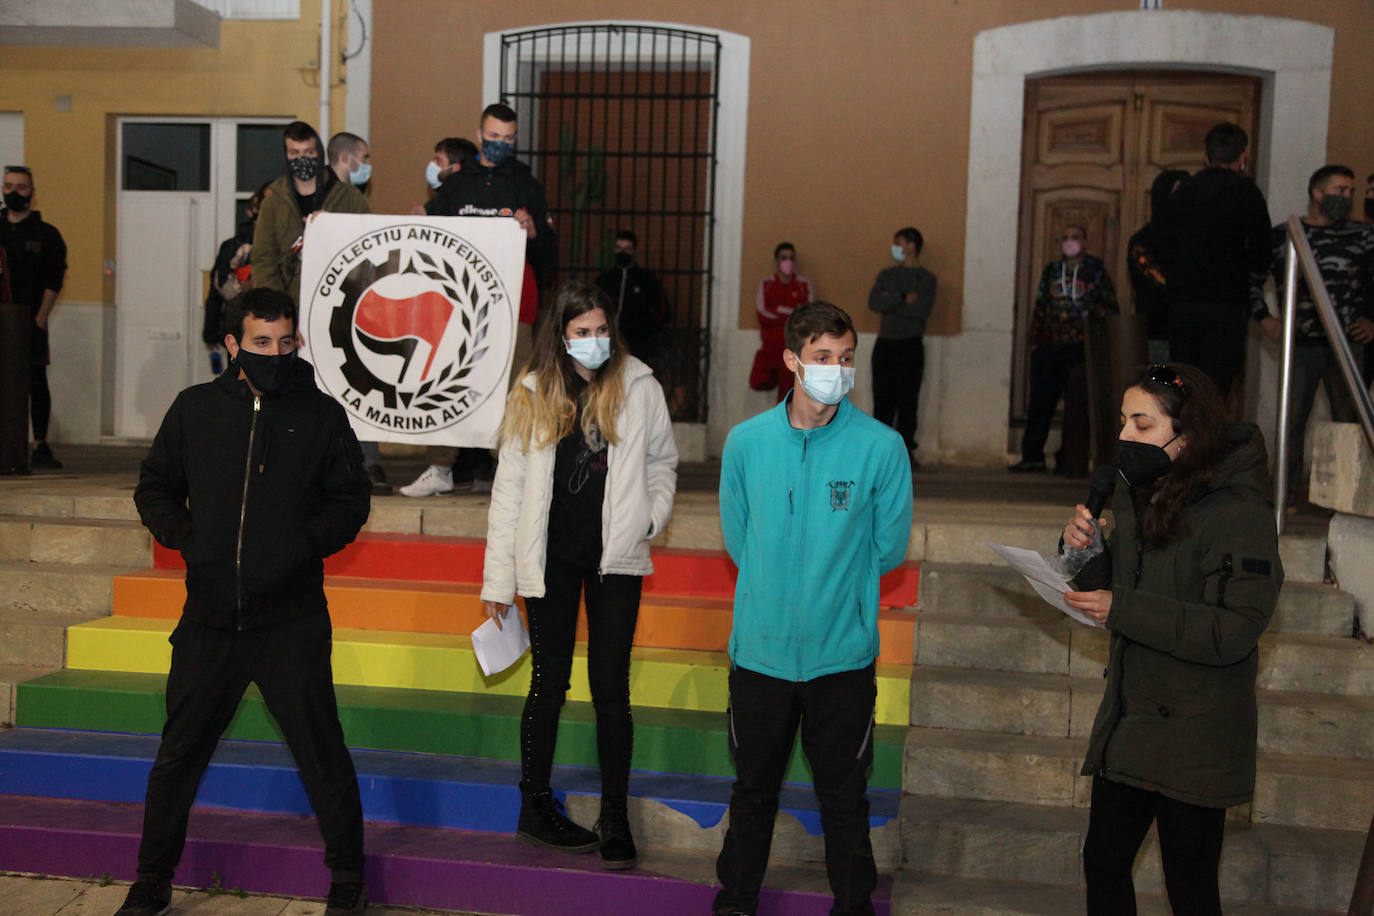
x: 430, y: 558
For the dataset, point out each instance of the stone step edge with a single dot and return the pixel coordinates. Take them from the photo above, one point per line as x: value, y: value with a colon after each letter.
x: 1066, y: 682
x: 1073, y: 748
x: 918, y: 893
x: 1042, y: 819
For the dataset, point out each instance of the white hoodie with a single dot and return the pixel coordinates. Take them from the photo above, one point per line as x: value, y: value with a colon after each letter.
x: 640, y: 482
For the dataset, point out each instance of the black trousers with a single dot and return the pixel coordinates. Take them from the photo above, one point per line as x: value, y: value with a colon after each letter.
x: 612, y: 612
x: 898, y: 366
x: 1050, y: 368
x: 1217, y: 347
x: 40, y: 400
x: 211, y: 668
x: 1189, y: 844
x: 835, y: 713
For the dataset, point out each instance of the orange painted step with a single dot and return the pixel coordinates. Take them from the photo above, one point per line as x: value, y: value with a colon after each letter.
x: 430, y: 558
x: 446, y: 607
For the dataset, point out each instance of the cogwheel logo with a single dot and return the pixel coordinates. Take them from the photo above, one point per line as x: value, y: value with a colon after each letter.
x: 419, y: 325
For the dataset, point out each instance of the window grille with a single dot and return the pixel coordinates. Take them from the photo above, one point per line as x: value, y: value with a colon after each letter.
x: 618, y: 122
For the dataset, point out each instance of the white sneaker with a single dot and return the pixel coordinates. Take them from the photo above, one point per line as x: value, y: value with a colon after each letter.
x: 432, y: 482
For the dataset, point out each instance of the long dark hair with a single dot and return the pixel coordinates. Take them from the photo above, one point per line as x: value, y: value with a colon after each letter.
x: 1195, y: 408
x: 546, y: 415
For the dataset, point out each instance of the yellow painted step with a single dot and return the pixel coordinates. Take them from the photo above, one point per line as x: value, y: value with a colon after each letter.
x: 669, y: 678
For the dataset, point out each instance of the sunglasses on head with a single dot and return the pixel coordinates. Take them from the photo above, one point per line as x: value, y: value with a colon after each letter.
x: 1163, y: 375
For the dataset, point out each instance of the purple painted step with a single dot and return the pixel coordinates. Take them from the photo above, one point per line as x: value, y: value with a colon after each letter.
x: 407, y: 866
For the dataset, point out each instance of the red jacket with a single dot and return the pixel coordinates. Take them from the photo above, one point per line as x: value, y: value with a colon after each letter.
x: 776, y: 300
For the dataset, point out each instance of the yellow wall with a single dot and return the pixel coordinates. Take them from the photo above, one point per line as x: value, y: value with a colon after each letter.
x: 260, y: 69
x: 858, y: 113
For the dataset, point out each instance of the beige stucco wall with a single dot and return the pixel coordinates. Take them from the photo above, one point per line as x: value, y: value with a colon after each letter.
x: 858, y: 113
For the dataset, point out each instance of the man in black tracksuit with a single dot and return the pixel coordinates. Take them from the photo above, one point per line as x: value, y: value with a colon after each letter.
x: 275, y: 482
x: 497, y: 184
x: 1213, y: 239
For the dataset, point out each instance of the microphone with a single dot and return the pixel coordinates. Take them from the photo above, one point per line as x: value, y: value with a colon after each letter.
x: 1104, y: 484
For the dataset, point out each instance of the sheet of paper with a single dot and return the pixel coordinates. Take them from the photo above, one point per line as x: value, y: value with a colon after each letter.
x: 497, y: 650
x: 1044, y: 576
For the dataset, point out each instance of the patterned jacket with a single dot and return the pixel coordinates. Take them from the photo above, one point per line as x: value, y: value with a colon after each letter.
x: 1068, y: 293
x: 1345, y: 256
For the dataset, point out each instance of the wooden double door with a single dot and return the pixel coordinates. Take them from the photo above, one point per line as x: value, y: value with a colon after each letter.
x: 1093, y: 143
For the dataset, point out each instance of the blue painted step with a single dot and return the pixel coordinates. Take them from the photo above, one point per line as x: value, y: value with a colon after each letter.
x: 430, y: 790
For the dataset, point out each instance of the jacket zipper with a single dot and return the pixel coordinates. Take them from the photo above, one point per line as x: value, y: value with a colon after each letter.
x: 1227, y: 570
x: 243, y: 511
x: 801, y: 543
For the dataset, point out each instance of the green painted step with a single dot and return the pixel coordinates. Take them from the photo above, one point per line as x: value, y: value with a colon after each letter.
x: 424, y: 721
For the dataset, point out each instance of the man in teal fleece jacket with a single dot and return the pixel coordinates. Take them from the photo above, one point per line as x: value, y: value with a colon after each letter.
x: 815, y: 505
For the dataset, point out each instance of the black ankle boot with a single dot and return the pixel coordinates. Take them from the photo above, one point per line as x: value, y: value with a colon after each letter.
x: 617, y: 846
x: 544, y: 823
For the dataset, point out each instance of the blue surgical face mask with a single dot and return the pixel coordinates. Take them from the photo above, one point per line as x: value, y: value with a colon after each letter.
x: 591, y: 352
x: 362, y: 174
x: 496, y: 152
x: 432, y: 174
x: 898, y: 254
x: 827, y: 384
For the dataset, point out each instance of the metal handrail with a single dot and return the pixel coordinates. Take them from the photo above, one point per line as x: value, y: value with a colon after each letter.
x: 1299, y: 254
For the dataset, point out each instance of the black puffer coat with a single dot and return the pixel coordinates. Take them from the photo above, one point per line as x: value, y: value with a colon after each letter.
x: 254, y: 491
x: 1179, y: 713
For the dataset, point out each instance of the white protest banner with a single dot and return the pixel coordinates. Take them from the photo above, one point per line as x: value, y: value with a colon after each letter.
x: 410, y: 321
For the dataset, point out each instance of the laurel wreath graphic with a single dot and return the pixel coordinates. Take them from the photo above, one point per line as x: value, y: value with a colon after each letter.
x: 448, y: 385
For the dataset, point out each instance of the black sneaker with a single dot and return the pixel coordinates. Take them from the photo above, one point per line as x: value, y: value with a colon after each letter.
x: 1025, y: 466
x: 43, y: 457
x: 617, y: 846
x: 346, y: 898
x: 543, y: 822
x: 378, y: 477
x: 147, y: 897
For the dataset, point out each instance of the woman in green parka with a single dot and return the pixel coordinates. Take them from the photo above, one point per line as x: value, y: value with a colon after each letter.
x: 1194, y: 576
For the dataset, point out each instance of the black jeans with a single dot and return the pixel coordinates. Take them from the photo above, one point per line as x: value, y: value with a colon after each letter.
x: 1189, y: 844
x: 1217, y: 347
x: 211, y: 668
x: 1050, y: 368
x: 612, y: 611
x: 1313, y: 365
x: 836, y: 717
x: 40, y: 400
x: 898, y: 366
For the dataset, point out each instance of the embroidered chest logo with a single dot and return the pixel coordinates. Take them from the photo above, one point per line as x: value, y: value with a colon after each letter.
x: 839, y: 494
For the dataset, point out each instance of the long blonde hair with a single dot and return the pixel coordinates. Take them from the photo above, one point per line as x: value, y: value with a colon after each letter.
x: 545, y: 415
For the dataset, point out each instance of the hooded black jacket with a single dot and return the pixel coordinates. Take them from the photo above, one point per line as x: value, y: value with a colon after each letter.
x: 1213, y: 237
x: 254, y: 528
x: 477, y: 190
x: 1179, y: 714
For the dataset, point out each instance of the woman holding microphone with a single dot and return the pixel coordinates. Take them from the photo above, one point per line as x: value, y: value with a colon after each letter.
x: 1194, y: 577
x: 587, y: 473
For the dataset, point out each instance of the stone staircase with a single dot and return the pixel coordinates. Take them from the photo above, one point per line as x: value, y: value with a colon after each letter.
x: 1003, y: 695
x: 58, y: 557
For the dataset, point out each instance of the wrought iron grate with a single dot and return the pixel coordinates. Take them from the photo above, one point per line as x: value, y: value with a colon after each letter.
x: 618, y: 122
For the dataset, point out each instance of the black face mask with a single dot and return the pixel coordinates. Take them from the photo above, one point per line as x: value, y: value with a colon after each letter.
x: 265, y: 373
x: 303, y: 168
x: 1140, y: 463
x: 623, y: 259
x: 16, y: 201
x: 1369, y: 208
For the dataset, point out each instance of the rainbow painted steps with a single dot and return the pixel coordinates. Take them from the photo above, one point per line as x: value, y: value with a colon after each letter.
x: 665, y: 678
x: 431, y: 790
x: 433, y: 558
x: 665, y: 622
x: 425, y: 721
x: 407, y: 866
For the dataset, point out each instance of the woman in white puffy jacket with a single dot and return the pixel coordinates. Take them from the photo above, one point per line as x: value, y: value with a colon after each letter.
x: 586, y: 477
